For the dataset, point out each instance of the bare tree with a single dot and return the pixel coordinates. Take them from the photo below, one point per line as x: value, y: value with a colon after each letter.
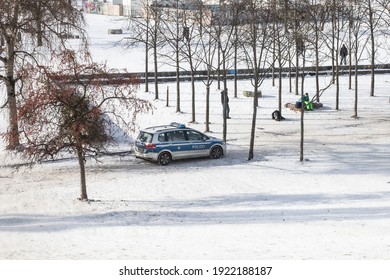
x: 171, y: 26
x: 257, y: 55
x: 24, y: 26
x: 207, y: 54
x: 72, y: 109
x: 192, y: 45
x: 238, y: 19
x: 300, y: 32
x: 281, y: 49
x: 376, y: 11
x: 339, y: 22
x: 373, y: 18
x: 317, y: 16
x: 223, y: 32
x: 356, y: 14
x: 146, y: 30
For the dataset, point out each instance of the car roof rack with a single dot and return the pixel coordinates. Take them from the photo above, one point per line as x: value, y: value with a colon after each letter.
x: 166, y: 126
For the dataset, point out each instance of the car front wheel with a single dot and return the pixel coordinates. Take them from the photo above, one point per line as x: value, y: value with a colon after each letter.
x: 164, y: 158
x: 216, y: 152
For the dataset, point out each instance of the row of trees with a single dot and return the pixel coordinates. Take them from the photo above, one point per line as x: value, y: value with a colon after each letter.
x: 264, y: 36
x: 58, y: 99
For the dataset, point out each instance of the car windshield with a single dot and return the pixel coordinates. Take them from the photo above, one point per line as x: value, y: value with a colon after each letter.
x: 145, y: 137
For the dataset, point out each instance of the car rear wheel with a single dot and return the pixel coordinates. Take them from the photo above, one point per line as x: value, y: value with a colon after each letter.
x: 216, y: 152
x: 164, y: 158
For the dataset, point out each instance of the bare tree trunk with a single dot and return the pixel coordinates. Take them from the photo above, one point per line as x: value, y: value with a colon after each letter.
x: 147, y: 63
x: 297, y: 47
x: 296, y: 71
x: 254, y: 116
x: 334, y: 54
x: 39, y: 24
x: 192, y: 70
x: 302, y: 110
x: 208, y: 103
x: 289, y: 70
x: 317, y: 65
x: 255, y: 97
x: 147, y: 48
x: 225, y: 99
x: 10, y: 82
x: 193, y: 109
x: 286, y: 11
x: 280, y: 76
x: 219, y: 59
x: 235, y: 59
x: 371, y: 26
x: 273, y: 50
x: 303, y: 73
x: 337, y: 26
x: 156, y: 95
x: 337, y: 78
x: 356, y: 78
x: 350, y: 54
x: 177, y: 83
x: 253, y: 127
x: 83, y: 185
x: 302, y: 129
x: 13, y: 140
x: 177, y: 67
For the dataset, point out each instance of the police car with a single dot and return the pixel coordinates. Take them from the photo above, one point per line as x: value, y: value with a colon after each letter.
x: 165, y: 143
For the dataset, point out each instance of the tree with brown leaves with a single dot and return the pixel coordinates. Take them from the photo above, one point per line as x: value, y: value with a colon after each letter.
x: 71, y: 108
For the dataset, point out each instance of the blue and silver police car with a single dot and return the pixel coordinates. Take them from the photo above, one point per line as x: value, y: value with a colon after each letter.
x: 165, y: 143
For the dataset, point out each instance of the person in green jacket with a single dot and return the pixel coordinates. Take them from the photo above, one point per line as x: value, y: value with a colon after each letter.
x: 307, y: 102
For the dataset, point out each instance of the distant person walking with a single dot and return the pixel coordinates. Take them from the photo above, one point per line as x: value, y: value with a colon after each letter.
x: 225, y: 104
x: 343, y: 55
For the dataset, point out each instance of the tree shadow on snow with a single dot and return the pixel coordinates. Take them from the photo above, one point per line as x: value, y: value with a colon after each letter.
x: 244, y: 209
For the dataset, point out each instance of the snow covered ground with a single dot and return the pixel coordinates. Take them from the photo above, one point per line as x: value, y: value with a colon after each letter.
x: 333, y: 206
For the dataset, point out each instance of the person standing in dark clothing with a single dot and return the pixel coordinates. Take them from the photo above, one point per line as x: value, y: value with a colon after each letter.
x: 225, y: 103
x: 343, y: 55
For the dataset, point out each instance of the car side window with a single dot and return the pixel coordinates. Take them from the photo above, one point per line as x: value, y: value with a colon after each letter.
x: 194, y: 135
x: 162, y: 137
x: 145, y: 137
x: 177, y: 135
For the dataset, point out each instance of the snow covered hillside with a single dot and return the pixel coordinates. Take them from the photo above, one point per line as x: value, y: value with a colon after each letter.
x: 334, y: 205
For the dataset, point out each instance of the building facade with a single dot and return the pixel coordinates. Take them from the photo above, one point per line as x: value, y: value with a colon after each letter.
x: 130, y: 8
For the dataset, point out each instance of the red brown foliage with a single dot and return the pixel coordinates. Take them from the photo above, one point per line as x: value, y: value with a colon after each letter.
x: 71, y: 109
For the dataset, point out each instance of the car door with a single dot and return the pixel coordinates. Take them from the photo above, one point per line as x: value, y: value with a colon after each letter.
x: 198, y: 144
x: 178, y: 145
